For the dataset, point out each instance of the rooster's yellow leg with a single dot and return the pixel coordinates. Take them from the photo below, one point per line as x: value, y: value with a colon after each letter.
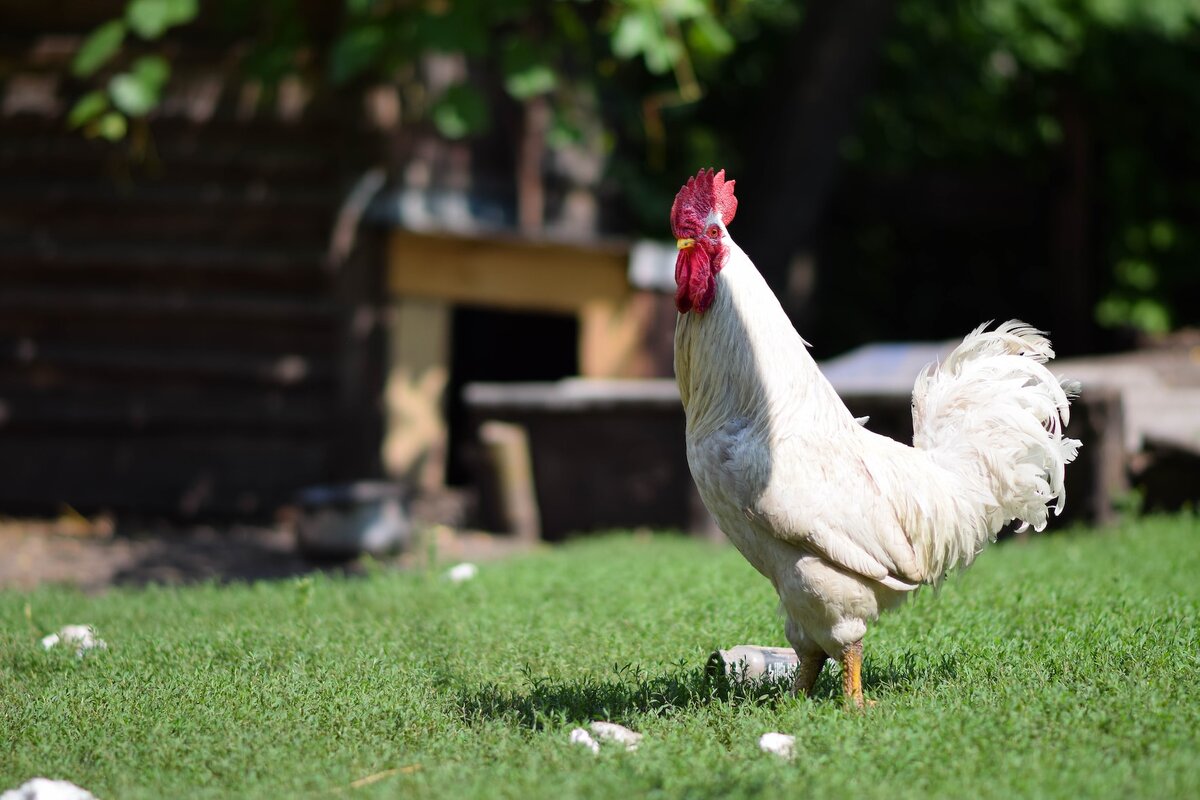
x: 807, y: 672
x: 852, y: 674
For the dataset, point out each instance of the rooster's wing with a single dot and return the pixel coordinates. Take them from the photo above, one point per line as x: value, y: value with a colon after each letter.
x: 835, y: 503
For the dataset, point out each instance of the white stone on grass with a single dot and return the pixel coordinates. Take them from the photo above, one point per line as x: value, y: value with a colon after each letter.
x: 581, y: 737
x: 781, y: 744
x: 46, y: 789
x: 82, y: 637
x: 462, y: 572
x: 612, y: 732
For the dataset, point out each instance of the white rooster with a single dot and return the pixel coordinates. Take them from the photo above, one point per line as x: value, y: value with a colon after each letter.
x: 842, y: 521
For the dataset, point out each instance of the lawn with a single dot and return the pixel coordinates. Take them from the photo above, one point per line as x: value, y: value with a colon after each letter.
x: 1067, y: 666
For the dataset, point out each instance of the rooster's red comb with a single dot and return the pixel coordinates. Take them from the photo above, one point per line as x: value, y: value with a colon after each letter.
x: 702, y: 194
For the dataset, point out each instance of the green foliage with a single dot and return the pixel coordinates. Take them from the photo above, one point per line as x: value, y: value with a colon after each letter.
x: 87, y: 108
x: 535, y: 45
x: 135, y: 92
x: 641, y: 29
x: 100, y: 46
x: 966, y: 85
x: 356, y: 51
x: 1061, y: 667
x: 624, y: 76
x: 528, y: 72
x: 461, y: 111
x: 111, y: 126
x: 990, y: 86
x: 150, y: 19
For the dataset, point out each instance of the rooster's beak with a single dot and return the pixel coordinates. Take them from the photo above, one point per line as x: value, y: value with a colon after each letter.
x: 684, y: 244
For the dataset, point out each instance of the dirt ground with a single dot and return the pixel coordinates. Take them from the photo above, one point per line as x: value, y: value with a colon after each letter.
x: 95, y: 554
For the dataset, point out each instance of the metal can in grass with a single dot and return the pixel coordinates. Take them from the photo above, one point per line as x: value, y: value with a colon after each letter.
x: 752, y: 662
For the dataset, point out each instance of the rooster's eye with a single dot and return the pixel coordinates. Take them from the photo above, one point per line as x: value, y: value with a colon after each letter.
x: 714, y: 232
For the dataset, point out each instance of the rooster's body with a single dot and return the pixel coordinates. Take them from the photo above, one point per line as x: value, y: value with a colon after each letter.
x: 842, y: 521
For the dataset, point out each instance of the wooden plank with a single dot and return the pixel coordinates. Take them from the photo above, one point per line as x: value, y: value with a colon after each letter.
x: 416, y: 441
x: 168, y: 326
x: 265, y: 309
x: 72, y: 192
x: 360, y: 345
x: 248, y: 269
x: 27, y: 335
x: 60, y: 365
x: 161, y: 410
x: 226, y: 128
x: 622, y: 339
x: 202, y: 257
x: 148, y: 218
x: 504, y: 273
x: 179, y: 476
x: 249, y: 335
x: 72, y: 159
x: 33, y: 17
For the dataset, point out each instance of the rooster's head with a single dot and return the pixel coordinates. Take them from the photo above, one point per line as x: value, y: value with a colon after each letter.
x: 701, y: 211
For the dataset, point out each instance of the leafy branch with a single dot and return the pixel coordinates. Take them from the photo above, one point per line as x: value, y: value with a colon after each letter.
x: 105, y: 111
x: 539, y: 50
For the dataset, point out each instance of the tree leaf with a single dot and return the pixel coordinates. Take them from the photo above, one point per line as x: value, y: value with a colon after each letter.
x: 630, y: 35
x: 111, y: 126
x: 527, y: 72
x: 683, y: 9
x: 563, y: 132
x: 707, y: 35
x: 149, y: 19
x: 98, y: 48
x: 460, y: 29
x: 640, y: 31
x: 152, y: 70
x: 663, y: 55
x: 132, y: 94
x: 87, y: 108
x: 356, y: 51
x: 460, y: 112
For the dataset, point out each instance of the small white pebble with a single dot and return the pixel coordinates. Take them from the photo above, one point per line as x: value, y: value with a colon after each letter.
x: 612, y: 732
x: 781, y: 744
x: 46, y: 789
x: 462, y: 572
x: 580, y: 736
x: 83, y: 637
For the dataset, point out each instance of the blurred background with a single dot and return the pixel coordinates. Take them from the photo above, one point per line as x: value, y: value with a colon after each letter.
x: 249, y: 249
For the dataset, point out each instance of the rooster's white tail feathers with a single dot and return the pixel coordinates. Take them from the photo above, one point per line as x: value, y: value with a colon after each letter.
x: 993, y: 414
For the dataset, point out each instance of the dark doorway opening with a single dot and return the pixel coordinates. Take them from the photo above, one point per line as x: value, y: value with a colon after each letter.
x: 502, y: 347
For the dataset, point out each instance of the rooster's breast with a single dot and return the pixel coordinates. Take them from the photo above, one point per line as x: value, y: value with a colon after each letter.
x: 730, y: 466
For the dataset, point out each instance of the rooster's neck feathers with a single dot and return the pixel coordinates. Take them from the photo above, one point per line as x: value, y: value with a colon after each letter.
x: 742, y: 356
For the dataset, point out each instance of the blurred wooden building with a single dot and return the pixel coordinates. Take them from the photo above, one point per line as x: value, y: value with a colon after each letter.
x: 257, y: 292
x: 261, y: 289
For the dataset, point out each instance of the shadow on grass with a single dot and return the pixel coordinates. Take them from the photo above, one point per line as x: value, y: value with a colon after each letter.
x: 903, y: 673
x: 630, y: 692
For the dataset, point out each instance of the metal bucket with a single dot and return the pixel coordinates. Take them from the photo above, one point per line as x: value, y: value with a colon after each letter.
x: 347, y: 520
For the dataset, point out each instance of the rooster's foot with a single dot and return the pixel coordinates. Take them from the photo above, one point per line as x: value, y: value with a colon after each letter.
x: 852, y: 676
x: 807, y: 672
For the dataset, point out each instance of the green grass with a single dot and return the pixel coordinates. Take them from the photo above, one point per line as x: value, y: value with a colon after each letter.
x: 1065, y: 667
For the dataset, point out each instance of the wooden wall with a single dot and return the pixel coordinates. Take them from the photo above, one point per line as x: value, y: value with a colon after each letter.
x: 173, y: 334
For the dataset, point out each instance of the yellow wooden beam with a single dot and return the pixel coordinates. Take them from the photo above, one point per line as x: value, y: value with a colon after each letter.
x: 415, y: 442
x: 505, y: 273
